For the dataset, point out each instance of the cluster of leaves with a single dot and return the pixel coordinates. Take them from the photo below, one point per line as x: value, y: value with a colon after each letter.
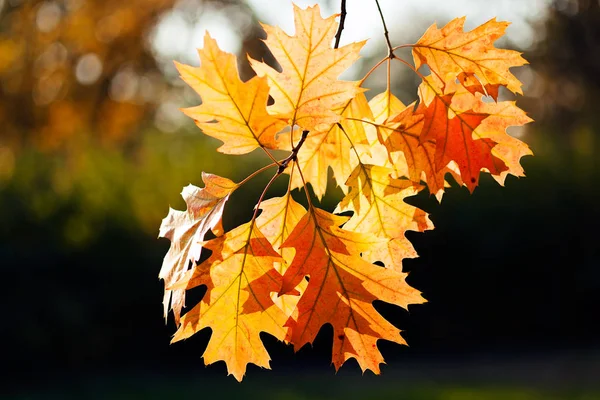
x: 290, y: 270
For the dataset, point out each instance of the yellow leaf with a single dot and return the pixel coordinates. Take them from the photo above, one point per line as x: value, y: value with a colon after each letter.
x: 232, y: 111
x: 307, y: 91
x: 237, y: 306
x: 331, y: 148
x: 377, y: 201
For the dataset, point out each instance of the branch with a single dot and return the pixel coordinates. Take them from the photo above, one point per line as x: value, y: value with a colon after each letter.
x: 338, y: 34
x: 294, y: 156
x: 385, y: 32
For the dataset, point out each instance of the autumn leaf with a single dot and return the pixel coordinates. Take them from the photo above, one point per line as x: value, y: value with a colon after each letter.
x: 341, y: 289
x: 454, y: 141
x: 332, y: 148
x: 237, y: 306
x: 279, y: 217
x: 377, y: 201
x: 450, y: 52
x: 501, y: 116
x: 399, y: 128
x: 232, y: 111
x: 472, y: 133
x: 186, y: 231
x: 307, y: 91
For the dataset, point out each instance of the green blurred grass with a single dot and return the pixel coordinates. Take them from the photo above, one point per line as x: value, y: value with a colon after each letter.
x: 322, y: 388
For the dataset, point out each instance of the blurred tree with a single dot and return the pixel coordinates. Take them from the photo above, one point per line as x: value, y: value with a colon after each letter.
x: 74, y: 66
x: 69, y: 67
x: 566, y: 84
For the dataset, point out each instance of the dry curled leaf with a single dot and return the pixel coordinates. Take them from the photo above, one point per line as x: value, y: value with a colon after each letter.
x: 186, y: 231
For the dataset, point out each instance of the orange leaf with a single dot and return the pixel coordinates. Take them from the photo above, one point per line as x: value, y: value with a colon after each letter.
x: 279, y: 217
x: 341, y: 289
x: 454, y: 141
x: 474, y: 136
x: 399, y: 128
x: 501, y: 116
x: 186, y: 230
x: 232, y: 111
x: 237, y: 307
x: 450, y: 51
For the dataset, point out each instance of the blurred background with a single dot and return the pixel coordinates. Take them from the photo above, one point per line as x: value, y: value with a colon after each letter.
x: 94, y: 149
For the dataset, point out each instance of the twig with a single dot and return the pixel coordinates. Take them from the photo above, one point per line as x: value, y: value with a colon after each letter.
x: 252, y: 175
x: 294, y: 156
x: 282, y: 166
x: 338, y: 34
x: 385, y: 32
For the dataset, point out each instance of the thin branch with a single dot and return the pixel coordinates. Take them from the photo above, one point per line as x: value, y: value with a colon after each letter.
x: 268, y: 153
x: 386, y: 33
x: 262, y: 196
x: 338, y: 34
x: 416, y: 71
x: 282, y: 166
x: 294, y: 156
x: 252, y: 175
x: 305, y: 186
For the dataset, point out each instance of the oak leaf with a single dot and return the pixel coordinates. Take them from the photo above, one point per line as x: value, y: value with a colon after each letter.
x: 186, y: 231
x: 450, y: 52
x: 341, y: 289
x: 279, y: 217
x: 454, y: 141
x: 237, y: 307
x: 232, y: 111
x: 307, y: 90
x: 377, y: 201
x: 399, y: 128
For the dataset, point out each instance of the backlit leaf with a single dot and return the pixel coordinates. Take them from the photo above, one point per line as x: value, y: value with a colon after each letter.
x: 186, y: 230
x: 232, y: 111
x: 237, y: 307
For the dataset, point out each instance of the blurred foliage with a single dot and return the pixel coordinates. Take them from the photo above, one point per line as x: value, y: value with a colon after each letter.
x: 563, y: 86
x: 84, y: 107
x: 74, y: 66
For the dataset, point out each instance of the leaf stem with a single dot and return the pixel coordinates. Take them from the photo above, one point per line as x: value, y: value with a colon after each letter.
x: 371, y: 71
x: 268, y: 153
x: 262, y: 196
x: 404, y: 46
x: 351, y: 143
x: 380, y: 126
x: 338, y: 34
x: 411, y: 67
x: 252, y: 175
x: 304, y: 185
